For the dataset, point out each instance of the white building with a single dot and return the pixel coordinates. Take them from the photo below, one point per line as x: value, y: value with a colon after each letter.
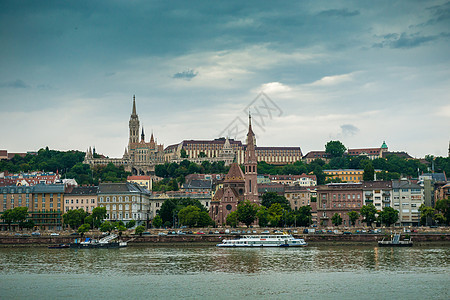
x: 407, y: 198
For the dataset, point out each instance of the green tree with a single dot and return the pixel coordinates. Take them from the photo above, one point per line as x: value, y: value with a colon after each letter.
x: 189, y: 215
x: 157, y: 221
x: 335, y: 148
x: 232, y: 219
x: 106, y: 226
x: 246, y: 212
x: 74, y: 218
x: 130, y: 224
x: 303, y: 216
x: 388, y: 216
x: 263, y: 216
x: 120, y: 226
x: 7, y: 216
x: 202, y: 154
x: 439, y: 218
x: 204, y: 219
x: 368, y: 213
x: 269, y: 198
x: 336, y: 219
x: 276, y: 213
x: 98, y: 215
x: 353, y: 217
x: 369, y: 172
x: 443, y: 206
x: 83, y: 229
x: 426, y: 213
x: 139, y: 230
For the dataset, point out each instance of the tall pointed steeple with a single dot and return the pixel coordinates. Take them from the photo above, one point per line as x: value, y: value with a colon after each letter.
x: 133, y: 124
x: 142, y: 135
x: 133, y: 113
x: 251, y: 164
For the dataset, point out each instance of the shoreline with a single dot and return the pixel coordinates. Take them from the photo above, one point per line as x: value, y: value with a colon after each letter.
x: 208, y: 240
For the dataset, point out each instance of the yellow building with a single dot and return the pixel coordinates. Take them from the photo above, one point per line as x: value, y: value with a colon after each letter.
x: 346, y: 175
x: 143, y: 181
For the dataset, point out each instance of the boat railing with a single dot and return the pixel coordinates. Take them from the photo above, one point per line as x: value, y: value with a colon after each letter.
x: 108, y: 238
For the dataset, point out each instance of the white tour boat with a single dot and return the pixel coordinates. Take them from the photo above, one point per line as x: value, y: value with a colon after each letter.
x: 275, y: 240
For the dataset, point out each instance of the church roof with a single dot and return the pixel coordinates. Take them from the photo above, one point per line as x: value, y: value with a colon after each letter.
x: 235, y: 173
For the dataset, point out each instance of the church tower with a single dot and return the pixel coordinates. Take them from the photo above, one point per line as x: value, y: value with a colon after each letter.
x: 134, y: 126
x: 251, y: 164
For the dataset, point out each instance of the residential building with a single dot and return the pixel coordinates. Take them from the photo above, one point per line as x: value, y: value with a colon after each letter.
x: 443, y: 192
x: 27, y: 179
x: 125, y: 202
x: 48, y: 203
x: 346, y: 175
x: 143, y: 181
x: 377, y: 193
x: 313, y: 155
x: 298, y: 196
x: 339, y: 198
x: 407, y: 197
x: 84, y: 197
x: 14, y: 196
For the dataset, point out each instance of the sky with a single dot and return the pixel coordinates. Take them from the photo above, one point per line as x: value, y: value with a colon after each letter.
x: 361, y: 72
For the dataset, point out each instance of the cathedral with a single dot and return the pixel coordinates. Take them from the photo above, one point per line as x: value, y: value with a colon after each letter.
x: 140, y: 157
x: 237, y: 185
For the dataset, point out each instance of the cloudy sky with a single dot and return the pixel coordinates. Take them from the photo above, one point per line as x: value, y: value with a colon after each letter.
x: 309, y: 71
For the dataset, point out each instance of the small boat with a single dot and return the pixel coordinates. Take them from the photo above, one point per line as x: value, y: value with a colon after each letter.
x: 395, y: 242
x: 275, y: 240
x: 106, y: 242
x: 59, y: 246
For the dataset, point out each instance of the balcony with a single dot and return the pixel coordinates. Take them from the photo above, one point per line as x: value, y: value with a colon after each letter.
x: 386, y: 200
x: 386, y: 193
x: 368, y: 194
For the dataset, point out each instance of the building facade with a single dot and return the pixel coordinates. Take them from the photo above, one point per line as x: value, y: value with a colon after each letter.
x: 378, y: 193
x: 346, y: 175
x: 125, y: 202
x: 84, y: 197
x: 143, y: 181
x: 407, y: 197
x: 339, y: 198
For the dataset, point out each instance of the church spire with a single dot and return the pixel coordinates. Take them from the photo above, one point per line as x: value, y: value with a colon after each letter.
x: 142, y: 135
x: 134, y: 106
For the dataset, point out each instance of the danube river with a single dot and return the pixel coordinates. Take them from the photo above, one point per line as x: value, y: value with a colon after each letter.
x: 138, y: 272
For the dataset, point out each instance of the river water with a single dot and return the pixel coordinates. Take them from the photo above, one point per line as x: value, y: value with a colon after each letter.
x: 207, y: 272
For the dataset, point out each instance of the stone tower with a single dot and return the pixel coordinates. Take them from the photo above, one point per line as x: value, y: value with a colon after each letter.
x: 251, y: 164
x: 134, y: 126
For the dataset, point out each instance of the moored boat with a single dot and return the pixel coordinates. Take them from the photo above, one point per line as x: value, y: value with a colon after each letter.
x: 106, y: 242
x: 275, y: 240
x: 395, y: 242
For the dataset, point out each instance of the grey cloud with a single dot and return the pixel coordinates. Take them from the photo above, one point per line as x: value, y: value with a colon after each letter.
x: 187, y: 75
x: 405, y: 40
x: 339, y: 13
x: 349, y: 130
x: 16, y: 84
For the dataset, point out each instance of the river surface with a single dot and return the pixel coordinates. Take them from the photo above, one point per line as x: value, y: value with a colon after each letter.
x: 140, y: 272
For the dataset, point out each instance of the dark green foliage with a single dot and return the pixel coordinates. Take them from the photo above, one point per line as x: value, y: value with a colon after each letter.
x: 368, y: 213
x: 388, y: 216
x: 443, y: 206
x: 270, y: 198
x: 16, y: 215
x: 106, y: 226
x: 74, y: 218
x: 353, y: 217
x: 369, y: 172
x: 98, y: 215
x: 335, y: 148
x: 157, y: 221
x: 232, y: 219
x: 83, y: 229
x: 130, y: 224
x: 246, y: 212
x: 171, y: 207
x: 139, y: 230
x: 336, y: 219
